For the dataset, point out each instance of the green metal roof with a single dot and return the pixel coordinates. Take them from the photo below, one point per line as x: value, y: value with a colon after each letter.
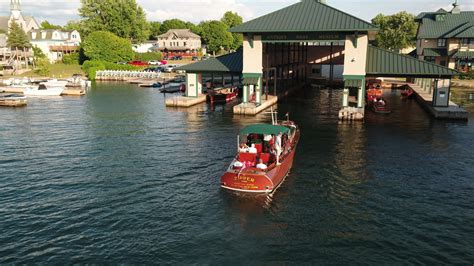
x: 464, y: 55
x: 305, y: 16
x: 435, y: 52
x: 381, y: 62
x: 453, y: 26
x: 229, y: 63
x: 266, y: 129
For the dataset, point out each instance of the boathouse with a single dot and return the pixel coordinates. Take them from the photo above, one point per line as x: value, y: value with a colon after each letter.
x: 312, y: 40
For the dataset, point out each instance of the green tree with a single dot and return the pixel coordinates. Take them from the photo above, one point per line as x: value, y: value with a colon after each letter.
x: 106, y: 46
x: 124, y: 18
x: 397, y: 31
x: 173, y: 24
x: 37, y: 54
x: 155, y: 30
x: 45, y: 25
x: 73, y: 25
x: 43, y: 67
x: 232, y: 19
x: 216, y: 36
x: 17, y: 38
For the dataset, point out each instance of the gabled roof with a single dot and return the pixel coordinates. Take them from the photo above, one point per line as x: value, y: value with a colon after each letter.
x: 435, y: 52
x: 464, y: 55
x: 453, y: 26
x: 229, y: 63
x: 180, y: 33
x: 4, y: 23
x: 381, y: 62
x: 305, y: 16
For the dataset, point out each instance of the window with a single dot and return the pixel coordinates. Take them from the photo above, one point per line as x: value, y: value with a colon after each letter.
x: 431, y: 59
x: 464, y: 42
x: 184, y: 44
x: 440, y: 17
x: 441, y: 42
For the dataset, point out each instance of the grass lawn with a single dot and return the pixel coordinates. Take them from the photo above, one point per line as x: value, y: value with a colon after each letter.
x: 58, y: 70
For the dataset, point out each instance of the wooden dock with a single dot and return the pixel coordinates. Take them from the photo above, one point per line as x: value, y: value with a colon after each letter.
x: 183, y: 101
x: 425, y: 99
x: 253, y: 109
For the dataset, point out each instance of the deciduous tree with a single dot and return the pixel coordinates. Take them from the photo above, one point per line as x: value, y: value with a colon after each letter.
x: 124, y: 18
x: 232, y: 19
x: 45, y: 25
x: 397, y: 31
x: 155, y: 29
x: 106, y: 46
x: 216, y: 36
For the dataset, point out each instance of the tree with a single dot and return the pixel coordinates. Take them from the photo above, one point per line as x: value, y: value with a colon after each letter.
x: 155, y: 30
x: 45, y: 25
x: 397, y: 31
x: 124, y: 18
x: 216, y: 36
x: 17, y: 38
x: 43, y: 67
x: 37, y: 54
x: 232, y: 19
x: 106, y: 46
x: 173, y: 24
x: 73, y: 25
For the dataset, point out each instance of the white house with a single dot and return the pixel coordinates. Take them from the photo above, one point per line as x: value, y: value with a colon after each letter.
x: 179, y: 40
x: 145, y: 47
x: 55, y: 43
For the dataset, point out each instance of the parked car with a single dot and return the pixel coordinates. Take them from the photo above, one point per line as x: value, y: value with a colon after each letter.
x: 164, y: 62
x: 138, y: 63
x: 154, y: 62
x: 168, y: 68
x: 153, y: 69
x: 195, y: 58
x: 177, y: 57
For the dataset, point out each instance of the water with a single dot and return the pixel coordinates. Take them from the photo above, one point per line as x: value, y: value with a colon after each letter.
x: 115, y: 177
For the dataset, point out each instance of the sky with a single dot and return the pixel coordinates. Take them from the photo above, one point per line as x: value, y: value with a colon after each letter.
x: 61, y: 11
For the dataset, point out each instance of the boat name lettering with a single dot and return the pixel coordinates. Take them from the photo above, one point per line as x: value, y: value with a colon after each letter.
x: 244, y: 178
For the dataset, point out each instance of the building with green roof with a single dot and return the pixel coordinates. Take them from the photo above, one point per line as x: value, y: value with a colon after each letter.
x: 310, y: 40
x: 447, y: 38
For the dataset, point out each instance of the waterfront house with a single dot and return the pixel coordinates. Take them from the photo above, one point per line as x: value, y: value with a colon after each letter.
x: 55, y: 43
x: 178, y: 40
x: 447, y: 38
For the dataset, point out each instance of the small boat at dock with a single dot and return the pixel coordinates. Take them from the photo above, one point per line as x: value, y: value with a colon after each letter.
x: 260, y: 169
x: 224, y: 95
x: 43, y: 90
x: 13, y: 100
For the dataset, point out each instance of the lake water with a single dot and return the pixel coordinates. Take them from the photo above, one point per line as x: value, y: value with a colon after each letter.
x: 115, y: 177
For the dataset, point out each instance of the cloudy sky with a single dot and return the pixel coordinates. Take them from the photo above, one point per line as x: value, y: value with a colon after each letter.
x: 60, y: 11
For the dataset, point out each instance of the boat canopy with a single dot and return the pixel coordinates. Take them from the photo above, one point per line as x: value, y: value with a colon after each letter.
x: 264, y: 129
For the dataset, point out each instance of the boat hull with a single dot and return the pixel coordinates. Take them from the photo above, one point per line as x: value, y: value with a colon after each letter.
x: 13, y: 101
x: 44, y: 92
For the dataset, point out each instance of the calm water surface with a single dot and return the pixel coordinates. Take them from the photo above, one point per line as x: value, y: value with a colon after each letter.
x: 115, y: 177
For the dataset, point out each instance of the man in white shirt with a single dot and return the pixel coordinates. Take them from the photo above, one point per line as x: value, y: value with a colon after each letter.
x: 252, y: 149
x: 261, y: 165
x: 278, y: 147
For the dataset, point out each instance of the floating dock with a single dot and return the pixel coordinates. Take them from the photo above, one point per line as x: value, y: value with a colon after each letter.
x: 451, y: 112
x: 253, y: 109
x: 183, y: 101
x: 74, y: 92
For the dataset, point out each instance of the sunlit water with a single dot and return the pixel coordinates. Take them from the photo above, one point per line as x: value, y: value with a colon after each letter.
x: 115, y: 177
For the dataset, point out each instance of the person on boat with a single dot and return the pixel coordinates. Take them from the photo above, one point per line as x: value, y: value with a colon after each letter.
x: 244, y: 148
x: 252, y: 149
x: 261, y: 165
x: 278, y: 147
x: 238, y: 164
x: 381, y: 101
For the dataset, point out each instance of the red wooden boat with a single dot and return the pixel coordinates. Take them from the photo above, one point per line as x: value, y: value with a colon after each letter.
x: 407, y: 93
x: 222, y: 96
x: 245, y: 175
x: 380, y: 106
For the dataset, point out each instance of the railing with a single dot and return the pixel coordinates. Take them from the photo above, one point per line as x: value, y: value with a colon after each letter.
x: 125, y: 74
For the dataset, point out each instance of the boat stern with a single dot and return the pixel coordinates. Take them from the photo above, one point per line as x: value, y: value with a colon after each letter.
x: 247, y: 181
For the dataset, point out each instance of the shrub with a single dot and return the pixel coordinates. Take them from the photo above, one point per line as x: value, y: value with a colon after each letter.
x: 106, y: 46
x: 43, y: 67
x: 71, y: 59
x: 148, y: 56
x: 469, y: 75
